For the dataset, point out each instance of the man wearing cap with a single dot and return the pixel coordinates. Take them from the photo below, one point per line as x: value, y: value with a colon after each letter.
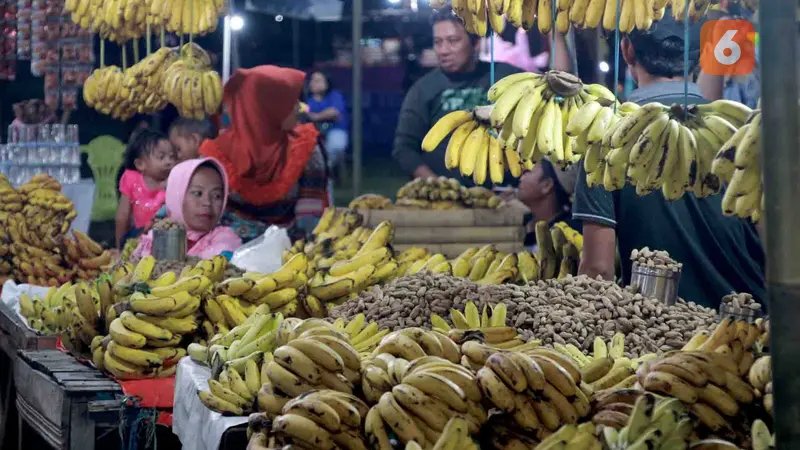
x: 547, y: 193
x: 719, y: 254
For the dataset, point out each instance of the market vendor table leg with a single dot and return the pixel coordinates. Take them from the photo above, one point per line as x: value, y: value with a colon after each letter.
x: 54, y: 393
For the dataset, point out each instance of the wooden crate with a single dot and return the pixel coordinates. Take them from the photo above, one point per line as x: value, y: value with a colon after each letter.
x: 450, y: 232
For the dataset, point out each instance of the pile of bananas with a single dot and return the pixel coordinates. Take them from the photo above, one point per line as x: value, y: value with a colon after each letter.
x: 191, y: 85
x: 33, y: 241
x: 444, y: 193
x: 480, y: 15
x: 320, y: 419
x: 655, y: 146
x: 121, y: 20
x: 371, y: 201
x: 295, y: 356
x: 738, y: 165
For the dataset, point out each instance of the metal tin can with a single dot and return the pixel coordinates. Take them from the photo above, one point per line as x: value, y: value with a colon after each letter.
x: 169, y: 245
x: 661, y: 284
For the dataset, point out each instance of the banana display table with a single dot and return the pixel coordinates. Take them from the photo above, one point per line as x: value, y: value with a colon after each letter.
x: 65, y: 402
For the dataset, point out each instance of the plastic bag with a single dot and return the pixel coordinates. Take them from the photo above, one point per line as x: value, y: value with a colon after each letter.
x: 265, y: 253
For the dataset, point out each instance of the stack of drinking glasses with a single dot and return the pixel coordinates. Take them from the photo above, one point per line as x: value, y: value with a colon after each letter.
x: 35, y: 149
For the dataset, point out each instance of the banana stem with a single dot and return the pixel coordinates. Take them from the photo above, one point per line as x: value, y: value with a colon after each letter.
x: 135, y: 51
x: 163, y: 36
x: 191, y: 21
x: 180, y: 42
x: 102, y: 52
x: 124, y: 57
x: 147, y: 42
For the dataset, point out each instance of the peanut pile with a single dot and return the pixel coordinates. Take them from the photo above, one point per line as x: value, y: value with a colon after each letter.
x: 571, y: 310
x: 655, y: 259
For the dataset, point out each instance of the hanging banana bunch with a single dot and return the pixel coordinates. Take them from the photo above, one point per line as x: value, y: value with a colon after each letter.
x: 191, y: 85
x: 528, y: 121
x: 474, y: 147
x: 481, y: 15
x: 738, y: 164
x: 655, y: 146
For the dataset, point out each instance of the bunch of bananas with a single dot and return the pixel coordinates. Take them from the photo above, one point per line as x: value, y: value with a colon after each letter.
x: 556, y: 256
x: 384, y: 367
x: 197, y: 17
x: 445, y: 193
x: 103, y: 91
x: 311, y: 355
x: 657, y: 424
x: 655, y: 146
x: 480, y: 15
x: 430, y: 391
x: 34, y: 239
x: 760, y: 377
x: 143, y: 82
x: 473, y: 148
x: 538, y: 388
x: 51, y: 314
x: 608, y: 367
x: 364, y: 337
x: 531, y: 113
x: 738, y: 165
x: 321, y: 419
x: 191, y: 85
x: 117, y: 20
x: 370, y: 201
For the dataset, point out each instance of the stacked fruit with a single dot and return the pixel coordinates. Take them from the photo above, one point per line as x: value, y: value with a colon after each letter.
x: 370, y: 201
x: 51, y: 314
x: 607, y: 368
x: 385, y: 366
x: 364, y: 337
x: 191, y: 85
x: 444, y: 193
x: 557, y: 255
x: 145, y: 340
x: 320, y: 419
x: 656, y: 146
x: 143, y: 82
x: 10, y: 202
x: 431, y: 391
x: 652, y: 424
x: 738, y: 165
x: 708, y: 380
x: 481, y: 15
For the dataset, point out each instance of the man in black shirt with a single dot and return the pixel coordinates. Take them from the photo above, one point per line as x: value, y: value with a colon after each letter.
x: 719, y: 254
x: 460, y: 83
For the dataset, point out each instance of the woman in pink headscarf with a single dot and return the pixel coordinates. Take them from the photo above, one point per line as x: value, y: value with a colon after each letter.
x: 197, y: 190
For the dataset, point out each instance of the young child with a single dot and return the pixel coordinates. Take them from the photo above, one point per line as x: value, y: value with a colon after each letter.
x: 197, y: 191
x: 186, y: 136
x: 149, y: 158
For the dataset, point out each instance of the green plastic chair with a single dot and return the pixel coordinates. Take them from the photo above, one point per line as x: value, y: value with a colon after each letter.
x: 105, y: 158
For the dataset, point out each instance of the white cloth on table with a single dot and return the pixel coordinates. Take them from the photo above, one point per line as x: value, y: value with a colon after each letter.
x: 82, y: 195
x: 196, y: 426
x: 12, y: 291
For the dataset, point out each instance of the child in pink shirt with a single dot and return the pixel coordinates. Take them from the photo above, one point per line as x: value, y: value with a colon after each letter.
x: 149, y: 159
x: 197, y: 192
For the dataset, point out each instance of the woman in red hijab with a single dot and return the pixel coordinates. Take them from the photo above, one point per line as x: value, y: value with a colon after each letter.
x: 277, y: 171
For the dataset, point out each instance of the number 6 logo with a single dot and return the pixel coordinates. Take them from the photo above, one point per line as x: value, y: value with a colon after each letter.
x: 728, y: 47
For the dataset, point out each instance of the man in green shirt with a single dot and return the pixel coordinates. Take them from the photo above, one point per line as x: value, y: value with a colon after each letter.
x: 719, y: 254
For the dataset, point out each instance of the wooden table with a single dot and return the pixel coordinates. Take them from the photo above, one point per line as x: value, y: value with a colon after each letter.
x: 64, y: 401
x: 14, y: 336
